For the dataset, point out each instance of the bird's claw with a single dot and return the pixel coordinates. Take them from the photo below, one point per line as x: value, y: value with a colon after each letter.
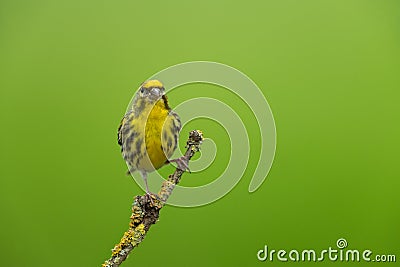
x: 149, y: 196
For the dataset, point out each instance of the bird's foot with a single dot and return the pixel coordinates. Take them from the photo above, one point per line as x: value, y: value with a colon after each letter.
x: 149, y: 197
x: 182, y: 163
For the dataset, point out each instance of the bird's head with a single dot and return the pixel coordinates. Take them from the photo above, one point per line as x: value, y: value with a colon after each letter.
x: 151, y: 91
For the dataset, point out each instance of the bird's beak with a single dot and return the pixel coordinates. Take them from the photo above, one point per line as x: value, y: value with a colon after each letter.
x: 156, y: 92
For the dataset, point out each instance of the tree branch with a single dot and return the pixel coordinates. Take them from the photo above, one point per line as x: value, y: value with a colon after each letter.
x: 145, y: 210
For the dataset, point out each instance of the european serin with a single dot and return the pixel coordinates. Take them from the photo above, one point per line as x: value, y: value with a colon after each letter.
x: 149, y: 131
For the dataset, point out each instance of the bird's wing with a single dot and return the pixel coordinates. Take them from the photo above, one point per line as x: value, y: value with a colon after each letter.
x: 120, y: 128
x: 170, y: 133
x: 120, y: 131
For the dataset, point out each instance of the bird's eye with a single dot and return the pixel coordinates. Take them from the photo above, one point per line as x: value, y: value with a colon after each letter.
x: 142, y: 90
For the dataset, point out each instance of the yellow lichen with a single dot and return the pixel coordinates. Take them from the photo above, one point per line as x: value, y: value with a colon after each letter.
x: 140, y: 229
x: 116, y: 249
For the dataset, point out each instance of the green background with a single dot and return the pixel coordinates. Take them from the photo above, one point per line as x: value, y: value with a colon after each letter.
x: 329, y: 70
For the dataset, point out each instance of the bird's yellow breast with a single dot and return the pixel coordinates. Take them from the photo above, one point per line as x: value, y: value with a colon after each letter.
x: 149, y: 137
x: 153, y: 133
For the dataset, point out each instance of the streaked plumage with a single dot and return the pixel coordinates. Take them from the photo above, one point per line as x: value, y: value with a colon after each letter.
x: 149, y: 131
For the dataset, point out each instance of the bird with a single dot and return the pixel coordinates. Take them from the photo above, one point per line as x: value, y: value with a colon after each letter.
x: 149, y: 132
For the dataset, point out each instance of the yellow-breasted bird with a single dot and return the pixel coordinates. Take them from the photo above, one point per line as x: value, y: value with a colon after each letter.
x: 149, y: 131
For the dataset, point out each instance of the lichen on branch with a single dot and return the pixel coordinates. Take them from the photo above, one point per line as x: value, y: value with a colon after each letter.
x: 145, y: 210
